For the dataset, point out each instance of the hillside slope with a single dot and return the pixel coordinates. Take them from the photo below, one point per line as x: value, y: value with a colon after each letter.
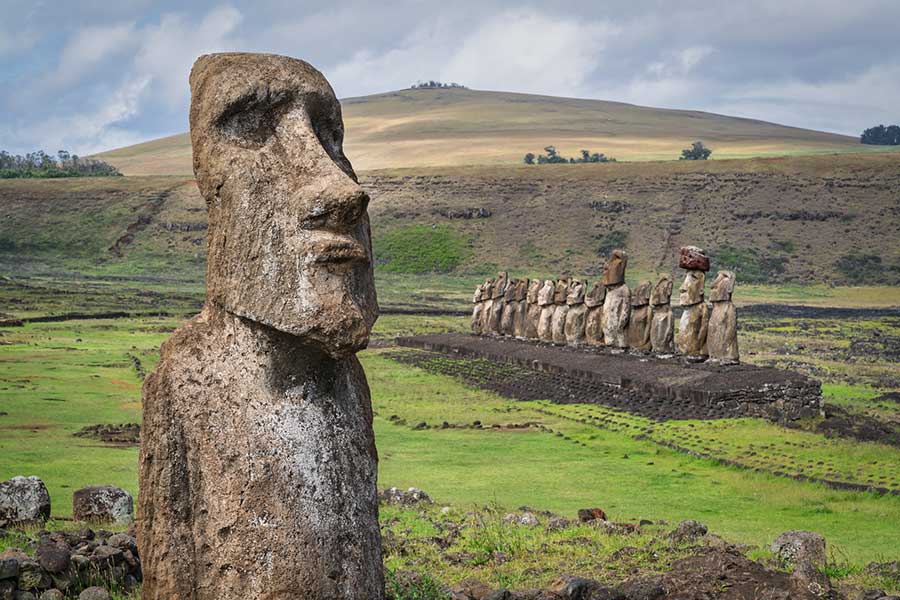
x: 416, y: 128
x: 802, y: 219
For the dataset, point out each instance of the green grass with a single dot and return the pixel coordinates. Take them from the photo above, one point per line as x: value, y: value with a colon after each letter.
x: 415, y: 249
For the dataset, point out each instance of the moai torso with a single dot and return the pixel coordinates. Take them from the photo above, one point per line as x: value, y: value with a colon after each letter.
x: 662, y: 322
x: 617, y: 304
x: 477, y: 306
x: 593, y: 327
x: 520, y: 317
x: 545, y: 300
x: 497, y: 295
x: 722, y: 342
x: 577, y: 316
x: 258, y: 463
x: 533, y: 310
x: 637, y: 335
x: 510, y: 304
x: 692, y: 327
x: 558, y: 322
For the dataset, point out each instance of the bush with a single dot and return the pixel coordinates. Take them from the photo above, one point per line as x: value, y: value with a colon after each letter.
x: 697, y: 151
x: 417, y: 249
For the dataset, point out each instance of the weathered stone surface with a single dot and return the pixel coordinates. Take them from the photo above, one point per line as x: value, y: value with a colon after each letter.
x: 533, y: 315
x: 408, y: 497
x: 23, y: 500
x: 693, y: 258
x: 796, y: 547
x: 586, y: 515
x: 691, y: 290
x: 258, y: 463
x: 103, y: 503
x: 593, y: 328
x: 616, y: 312
x: 520, y: 316
x: 478, y: 306
x: 497, y: 296
x: 721, y: 337
x: 637, y: 334
x: 52, y: 558
x: 662, y: 321
x: 558, y: 323
x: 510, y: 305
x: 545, y: 322
x: 614, y: 269
x: 96, y: 593
x: 692, y: 329
x: 688, y: 531
x: 576, y: 317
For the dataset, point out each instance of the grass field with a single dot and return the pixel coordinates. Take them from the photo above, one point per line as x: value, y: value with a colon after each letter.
x: 424, y: 128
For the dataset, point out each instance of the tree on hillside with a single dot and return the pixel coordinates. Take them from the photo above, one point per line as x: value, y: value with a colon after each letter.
x: 529, y: 158
x: 552, y: 156
x: 697, y: 151
x: 40, y: 164
x: 881, y: 135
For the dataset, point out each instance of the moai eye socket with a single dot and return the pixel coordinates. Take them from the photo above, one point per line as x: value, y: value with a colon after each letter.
x: 251, y: 121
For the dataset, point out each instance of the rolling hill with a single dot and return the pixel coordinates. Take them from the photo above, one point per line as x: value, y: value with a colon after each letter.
x: 452, y: 127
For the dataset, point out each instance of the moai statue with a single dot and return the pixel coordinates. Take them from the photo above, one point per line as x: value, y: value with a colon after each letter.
x: 691, y: 338
x: 617, y: 304
x: 487, y: 300
x: 721, y: 338
x: 545, y: 301
x: 558, y: 323
x: 258, y: 463
x: 577, y: 316
x: 520, y: 317
x: 497, y: 295
x: 477, y: 305
x: 637, y: 335
x: 593, y: 328
x: 533, y: 314
x: 509, y: 308
x: 662, y: 323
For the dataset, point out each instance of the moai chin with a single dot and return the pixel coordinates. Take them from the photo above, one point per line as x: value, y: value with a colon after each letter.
x: 617, y: 304
x: 558, y: 322
x: 662, y: 322
x: 722, y: 341
x: 576, y: 317
x: 497, y: 294
x: 520, y: 316
x: 258, y: 462
x: 593, y: 327
x: 545, y: 301
x: 533, y: 310
x: 637, y: 334
x: 507, y: 315
x: 692, y: 328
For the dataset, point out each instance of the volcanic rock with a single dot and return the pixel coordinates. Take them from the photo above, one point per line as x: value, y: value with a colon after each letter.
x: 103, y: 503
x: 693, y: 258
x: 23, y: 500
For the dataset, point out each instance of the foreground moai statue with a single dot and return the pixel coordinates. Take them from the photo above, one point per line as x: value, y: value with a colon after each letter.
x: 258, y: 462
x: 617, y: 304
x: 721, y: 338
x: 497, y: 296
x: 576, y: 317
x: 533, y: 309
x: 545, y: 300
x: 509, y: 308
x: 487, y: 303
x: 477, y: 306
x: 593, y: 327
x: 637, y: 335
x: 692, y: 328
x: 662, y: 322
x: 558, y: 323
x: 520, y: 316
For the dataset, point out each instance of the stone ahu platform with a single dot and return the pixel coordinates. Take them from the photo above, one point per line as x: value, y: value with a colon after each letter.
x: 653, y: 387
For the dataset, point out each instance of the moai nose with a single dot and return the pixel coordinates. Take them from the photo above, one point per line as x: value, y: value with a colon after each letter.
x: 339, y: 207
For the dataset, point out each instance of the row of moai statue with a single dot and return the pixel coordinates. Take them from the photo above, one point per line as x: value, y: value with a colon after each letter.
x: 610, y: 314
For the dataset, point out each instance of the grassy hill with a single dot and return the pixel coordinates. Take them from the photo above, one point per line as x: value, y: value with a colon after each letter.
x: 426, y: 127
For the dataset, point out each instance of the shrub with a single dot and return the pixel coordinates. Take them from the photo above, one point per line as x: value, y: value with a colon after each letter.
x: 697, y: 151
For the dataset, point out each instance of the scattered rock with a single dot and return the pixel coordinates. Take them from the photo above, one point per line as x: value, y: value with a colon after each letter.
x: 585, y: 515
x: 103, y: 503
x: 52, y: 558
x: 798, y: 547
x: 122, y: 434
x: 557, y: 523
x: 23, y: 500
x: 528, y: 519
x: 411, y: 496
x: 94, y: 593
x: 688, y: 531
x: 53, y: 594
x: 579, y: 588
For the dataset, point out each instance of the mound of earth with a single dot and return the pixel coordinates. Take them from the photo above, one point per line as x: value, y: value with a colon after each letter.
x: 128, y: 434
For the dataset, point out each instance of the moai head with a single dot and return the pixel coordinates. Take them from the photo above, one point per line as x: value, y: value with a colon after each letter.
x: 722, y: 287
x: 289, y: 242
x: 521, y: 290
x: 691, y: 290
x: 614, y: 269
x: 576, y: 293
x: 500, y: 284
x: 533, y: 288
x: 546, y: 293
x: 510, y: 294
x: 596, y: 296
x: 561, y: 290
x: 641, y: 294
x: 662, y: 291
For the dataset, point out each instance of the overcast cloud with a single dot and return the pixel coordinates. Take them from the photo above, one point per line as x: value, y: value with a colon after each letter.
x: 88, y: 76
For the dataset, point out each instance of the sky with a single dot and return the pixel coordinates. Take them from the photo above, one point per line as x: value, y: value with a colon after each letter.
x: 92, y: 75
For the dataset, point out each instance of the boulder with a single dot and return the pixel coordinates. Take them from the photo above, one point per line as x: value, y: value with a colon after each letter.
x: 408, y: 497
x: 52, y: 595
x: 797, y: 547
x: 693, y: 258
x: 52, y: 558
x: 23, y: 500
x: 586, y: 515
x: 688, y: 531
x: 103, y: 504
x: 94, y: 593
